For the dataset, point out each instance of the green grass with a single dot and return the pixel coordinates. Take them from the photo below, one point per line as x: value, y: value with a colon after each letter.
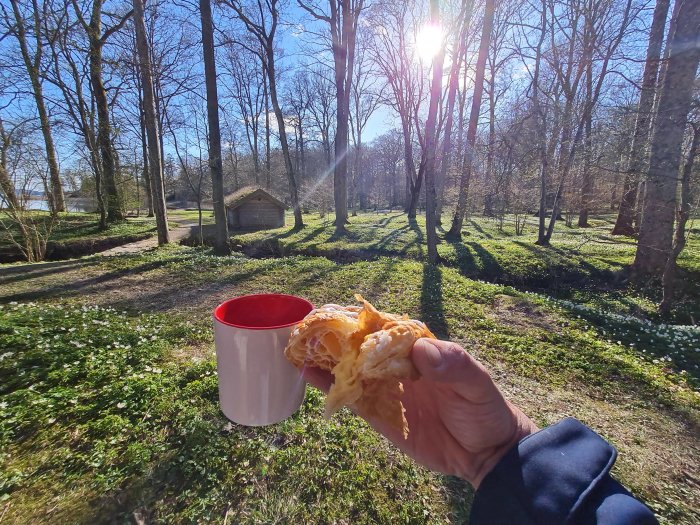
x: 580, y: 261
x: 72, y: 227
x: 99, y: 421
x: 114, y: 409
x: 191, y: 215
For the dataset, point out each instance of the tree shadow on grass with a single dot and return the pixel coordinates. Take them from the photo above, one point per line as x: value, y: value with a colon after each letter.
x: 306, y: 238
x: 197, y: 296
x: 476, y: 226
x: 23, y: 272
x: 466, y: 263
x: 431, y: 302
x: 490, y: 267
x: 311, y: 279
x: 565, y: 267
x: 386, y: 220
x: 420, y: 237
x: 288, y: 233
x: 380, y: 245
x: 76, y: 287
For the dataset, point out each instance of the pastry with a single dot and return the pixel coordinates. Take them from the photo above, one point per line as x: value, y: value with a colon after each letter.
x: 367, y: 351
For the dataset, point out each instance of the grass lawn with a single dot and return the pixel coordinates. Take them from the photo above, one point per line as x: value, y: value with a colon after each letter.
x: 582, y: 264
x: 108, y: 400
x: 85, y: 227
x: 191, y: 215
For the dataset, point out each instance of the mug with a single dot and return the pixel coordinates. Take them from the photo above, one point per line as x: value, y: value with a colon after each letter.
x: 257, y: 385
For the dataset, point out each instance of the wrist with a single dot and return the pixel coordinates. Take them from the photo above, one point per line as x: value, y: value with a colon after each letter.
x: 523, y: 426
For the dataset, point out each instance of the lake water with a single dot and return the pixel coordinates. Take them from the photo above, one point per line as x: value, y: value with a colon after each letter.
x: 72, y: 204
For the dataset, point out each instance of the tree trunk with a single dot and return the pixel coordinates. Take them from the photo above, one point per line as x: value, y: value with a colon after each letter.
x: 431, y: 143
x: 489, y: 178
x: 458, y: 219
x: 7, y: 188
x: 587, y: 181
x: 5, y: 183
x: 453, y: 83
x: 340, y: 170
x: 104, y: 137
x: 151, y: 123
x: 144, y: 151
x: 104, y: 129
x: 221, y: 244
x: 668, y: 280
x: 359, y: 175
x: 656, y: 232
x: 542, y: 140
x: 343, y: 32
x: 55, y: 195
x: 414, y: 180
x: 281, y: 125
x: 268, y: 182
x: 640, y: 138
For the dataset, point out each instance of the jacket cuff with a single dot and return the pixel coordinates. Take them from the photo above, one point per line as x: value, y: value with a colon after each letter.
x: 547, y: 476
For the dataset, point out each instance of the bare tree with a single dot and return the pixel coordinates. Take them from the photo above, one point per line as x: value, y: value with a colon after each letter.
x: 640, y: 138
x: 322, y: 112
x: 70, y: 73
x: 431, y: 141
x: 682, y: 215
x: 365, y: 99
x: 461, y: 31
x: 247, y: 90
x: 20, y: 164
x: 298, y: 101
x: 8, y: 189
x: 194, y: 175
x: 221, y: 244
x: 455, y: 231
x: 596, y: 43
x: 261, y: 19
x: 342, y: 18
x: 33, y: 65
x: 497, y: 59
x: 151, y: 125
x: 394, y: 24
x: 266, y: 97
x: 659, y: 206
x: 97, y: 37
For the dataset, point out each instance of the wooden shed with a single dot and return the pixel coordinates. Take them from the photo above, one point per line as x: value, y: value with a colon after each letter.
x: 254, y: 208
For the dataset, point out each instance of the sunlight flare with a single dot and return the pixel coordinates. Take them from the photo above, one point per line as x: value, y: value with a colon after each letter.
x: 429, y: 41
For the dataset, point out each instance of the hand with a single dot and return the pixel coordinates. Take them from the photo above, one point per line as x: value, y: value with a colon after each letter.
x: 459, y: 421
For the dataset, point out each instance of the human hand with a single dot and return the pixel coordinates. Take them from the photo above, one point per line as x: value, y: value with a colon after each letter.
x: 459, y: 421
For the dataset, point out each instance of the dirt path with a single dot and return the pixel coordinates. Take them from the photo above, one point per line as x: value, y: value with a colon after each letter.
x: 183, y: 229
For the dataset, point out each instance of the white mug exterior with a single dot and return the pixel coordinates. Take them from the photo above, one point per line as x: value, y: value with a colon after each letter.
x: 257, y: 385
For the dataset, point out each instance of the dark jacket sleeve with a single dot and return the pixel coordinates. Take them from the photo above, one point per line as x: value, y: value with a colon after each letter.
x: 559, y: 475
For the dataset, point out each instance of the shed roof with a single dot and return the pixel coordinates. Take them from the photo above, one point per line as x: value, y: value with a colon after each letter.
x: 235, y: 199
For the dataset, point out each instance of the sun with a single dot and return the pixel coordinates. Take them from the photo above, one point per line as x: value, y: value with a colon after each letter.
x: 429, y: 41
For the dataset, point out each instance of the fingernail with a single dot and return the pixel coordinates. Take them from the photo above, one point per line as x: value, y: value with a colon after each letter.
x: 432, y: 354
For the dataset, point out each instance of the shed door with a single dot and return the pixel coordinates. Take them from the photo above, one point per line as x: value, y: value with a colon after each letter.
x: 258, y: 214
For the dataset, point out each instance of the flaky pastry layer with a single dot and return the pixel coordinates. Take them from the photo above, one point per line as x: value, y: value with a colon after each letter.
x: 367, y: 351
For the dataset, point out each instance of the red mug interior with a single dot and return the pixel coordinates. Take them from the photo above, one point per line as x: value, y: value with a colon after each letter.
x: 263, y: 311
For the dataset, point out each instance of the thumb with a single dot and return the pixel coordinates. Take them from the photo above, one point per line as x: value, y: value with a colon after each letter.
x: 446, y: 362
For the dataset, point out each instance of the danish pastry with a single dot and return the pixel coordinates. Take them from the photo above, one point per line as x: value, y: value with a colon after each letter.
x: 368, y: 353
